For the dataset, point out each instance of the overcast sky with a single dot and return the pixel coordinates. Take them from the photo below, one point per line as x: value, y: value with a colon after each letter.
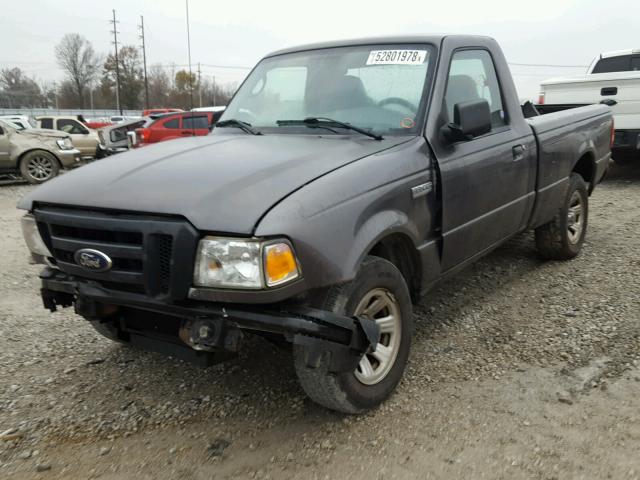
x: 239, y: 33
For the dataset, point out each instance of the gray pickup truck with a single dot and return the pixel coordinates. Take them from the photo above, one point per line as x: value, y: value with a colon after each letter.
x: 342, y: 182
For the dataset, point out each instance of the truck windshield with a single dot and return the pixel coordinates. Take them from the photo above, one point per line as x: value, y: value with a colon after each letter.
x: 377, y: 87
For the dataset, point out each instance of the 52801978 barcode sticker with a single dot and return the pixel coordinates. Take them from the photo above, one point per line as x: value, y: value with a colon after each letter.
x: 396, y: 57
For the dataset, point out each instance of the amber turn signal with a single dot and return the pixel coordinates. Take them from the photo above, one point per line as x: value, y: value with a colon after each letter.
x: 280, y: 264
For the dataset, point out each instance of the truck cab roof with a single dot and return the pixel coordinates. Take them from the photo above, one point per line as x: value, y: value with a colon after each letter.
x: 400, y: 39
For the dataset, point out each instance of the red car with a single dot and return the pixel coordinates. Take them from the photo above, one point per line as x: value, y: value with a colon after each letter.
x: 155, y: 111
x: 174, y: 125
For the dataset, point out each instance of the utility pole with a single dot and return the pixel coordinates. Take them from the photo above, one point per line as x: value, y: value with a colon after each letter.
x: 214, y: 90
x: 199, y: 87
x: 55, y: 94
x: 186, y: 2
x: 144, y: 63
x: 115, y: 43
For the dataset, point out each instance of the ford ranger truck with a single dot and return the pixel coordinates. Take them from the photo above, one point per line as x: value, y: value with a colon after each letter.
x: 343, y: 181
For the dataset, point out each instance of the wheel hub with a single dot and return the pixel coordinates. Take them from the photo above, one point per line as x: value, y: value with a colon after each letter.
x: 382, y: 307
x: 575, y: 223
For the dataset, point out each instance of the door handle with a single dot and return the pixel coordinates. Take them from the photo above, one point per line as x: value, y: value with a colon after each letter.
x: 186, y: 132
x: 518, y: 152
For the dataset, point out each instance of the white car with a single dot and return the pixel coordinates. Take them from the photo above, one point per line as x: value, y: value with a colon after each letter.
x: 614, y: 79
x: 21, y: 122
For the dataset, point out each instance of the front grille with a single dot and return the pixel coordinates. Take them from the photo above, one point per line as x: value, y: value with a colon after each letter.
x: 128, y: 238
x: 165, y: 247
x: 142, y: 249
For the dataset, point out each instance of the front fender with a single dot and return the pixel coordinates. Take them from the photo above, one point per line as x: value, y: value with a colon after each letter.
x: 334, y: 221
x: 373, y: 230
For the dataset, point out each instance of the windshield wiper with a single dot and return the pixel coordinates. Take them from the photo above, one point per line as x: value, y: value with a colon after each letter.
x: 323, y: 122
x: 244, y: 126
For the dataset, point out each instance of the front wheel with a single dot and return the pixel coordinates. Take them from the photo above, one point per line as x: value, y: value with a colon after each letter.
x: 39, y: 166
x: 562, y: 237
x: 380, y: 293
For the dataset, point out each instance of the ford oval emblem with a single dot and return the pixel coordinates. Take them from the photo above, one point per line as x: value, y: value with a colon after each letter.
x: 93, y: 260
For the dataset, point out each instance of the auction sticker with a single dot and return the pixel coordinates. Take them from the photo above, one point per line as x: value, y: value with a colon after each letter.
x: 396, y: 57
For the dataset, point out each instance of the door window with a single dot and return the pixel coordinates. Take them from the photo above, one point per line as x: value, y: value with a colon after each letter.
x: 71, y: 127
x: 635, y: 63
x: 173, y: 123
x: 472, y: 76
x: 195, y: 122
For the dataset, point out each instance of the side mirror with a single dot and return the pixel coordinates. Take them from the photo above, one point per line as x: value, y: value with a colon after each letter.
x: 470, y: 119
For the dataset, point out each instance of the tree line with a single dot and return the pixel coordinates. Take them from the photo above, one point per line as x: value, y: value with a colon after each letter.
x: 90, y: 82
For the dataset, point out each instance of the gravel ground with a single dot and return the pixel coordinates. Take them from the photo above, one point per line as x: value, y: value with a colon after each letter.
x: 519, y: 369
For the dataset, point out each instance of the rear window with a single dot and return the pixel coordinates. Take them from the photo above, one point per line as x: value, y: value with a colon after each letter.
x: 615, y: 64
x: 46, y: 123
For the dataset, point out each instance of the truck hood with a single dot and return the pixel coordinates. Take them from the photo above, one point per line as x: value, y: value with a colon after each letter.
x: 221, y: 183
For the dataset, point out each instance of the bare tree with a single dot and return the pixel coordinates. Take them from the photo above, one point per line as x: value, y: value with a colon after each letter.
x: 131, y: 77
x: 17, y: 90
x: 159, y: 86
x: 77, y: 58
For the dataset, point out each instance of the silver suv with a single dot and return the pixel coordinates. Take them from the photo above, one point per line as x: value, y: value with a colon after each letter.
x: 37, y: 154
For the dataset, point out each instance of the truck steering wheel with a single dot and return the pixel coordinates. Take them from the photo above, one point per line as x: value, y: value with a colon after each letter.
x: 398, y: 101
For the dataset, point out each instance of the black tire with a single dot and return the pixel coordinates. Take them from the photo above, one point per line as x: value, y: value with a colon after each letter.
x: 345, y: 392
x: 560, y: 239
x: 38, y: 166
x: 107, y: 329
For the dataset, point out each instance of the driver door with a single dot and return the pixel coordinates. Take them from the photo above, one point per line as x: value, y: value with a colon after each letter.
x: 80, y: 136
x: 487, y: 181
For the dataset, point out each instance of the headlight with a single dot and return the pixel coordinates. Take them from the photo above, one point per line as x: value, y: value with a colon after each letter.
x: 65, y: 143
x: 32, y: 236
x: 243, y: 263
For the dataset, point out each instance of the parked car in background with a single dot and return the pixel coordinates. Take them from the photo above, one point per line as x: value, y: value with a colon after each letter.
x: 94, y: 123
x: 614, y: 79
x: 169, y: 126
x: 21, y: 122
x: 84, y: 138
x: 120, y: 119
x: 343, y: 181
x: 37, y: 155
x: 217, y: 111
x: 117, y: 138
x: 156, y: 111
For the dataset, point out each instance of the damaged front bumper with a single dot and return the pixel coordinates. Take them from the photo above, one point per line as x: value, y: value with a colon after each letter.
x: 204, y: 328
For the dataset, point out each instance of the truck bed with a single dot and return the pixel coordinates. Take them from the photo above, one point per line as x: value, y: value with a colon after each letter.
x: 562, y: 138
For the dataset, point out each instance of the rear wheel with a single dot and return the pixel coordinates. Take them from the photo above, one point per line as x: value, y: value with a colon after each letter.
x: 562, y: 237
x: 379, y: 292
x: 39, y: 166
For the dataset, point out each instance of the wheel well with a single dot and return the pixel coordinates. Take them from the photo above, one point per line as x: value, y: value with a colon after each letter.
x: 586, y: 169
x: 24, y: 154
x: 399, y: 250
